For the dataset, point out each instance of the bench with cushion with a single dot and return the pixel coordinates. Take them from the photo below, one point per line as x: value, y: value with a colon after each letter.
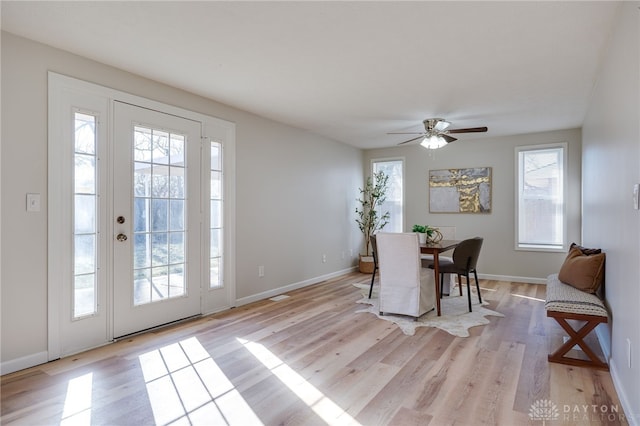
x: 571, y: 296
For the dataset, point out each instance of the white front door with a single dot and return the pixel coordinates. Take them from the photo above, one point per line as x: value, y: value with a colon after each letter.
x: 156, y: 219
x: 140, y: 215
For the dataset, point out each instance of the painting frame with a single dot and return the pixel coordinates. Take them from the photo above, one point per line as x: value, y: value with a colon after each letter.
x: 463, y: 190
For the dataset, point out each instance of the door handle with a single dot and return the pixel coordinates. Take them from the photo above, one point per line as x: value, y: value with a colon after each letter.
x: 121, y: 237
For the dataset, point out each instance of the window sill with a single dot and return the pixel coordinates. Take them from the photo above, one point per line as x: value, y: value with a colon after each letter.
x: 540, y: 247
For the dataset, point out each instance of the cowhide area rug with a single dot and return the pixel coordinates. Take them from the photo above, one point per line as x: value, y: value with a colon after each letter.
x: 455, y: 319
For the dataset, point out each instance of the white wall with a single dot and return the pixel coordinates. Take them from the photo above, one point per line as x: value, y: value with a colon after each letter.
x: 498, y: 258
x: 611, y: 155
x: 296, y: 200
x: 295, y: 192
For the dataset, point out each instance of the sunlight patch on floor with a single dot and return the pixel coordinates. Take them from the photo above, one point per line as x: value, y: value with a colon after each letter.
x: 77, y: 404
x: 528, y: 297
x: 324, y: 407
x: 185, y: 385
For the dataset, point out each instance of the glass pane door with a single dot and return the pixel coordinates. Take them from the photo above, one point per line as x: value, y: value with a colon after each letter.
x: 157, y: 208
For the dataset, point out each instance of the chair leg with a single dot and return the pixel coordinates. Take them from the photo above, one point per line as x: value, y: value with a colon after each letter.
x: 441, y: 284
x: 475, y: 274
x: 469, y: 292
x: 460, y: 283
x: 373, y: 277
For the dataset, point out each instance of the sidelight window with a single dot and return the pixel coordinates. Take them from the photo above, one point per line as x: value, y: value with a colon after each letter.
x: 215, y: 221
x: 85, y: 216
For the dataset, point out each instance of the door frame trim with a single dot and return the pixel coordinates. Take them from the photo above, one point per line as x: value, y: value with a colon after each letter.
x: 211, y: 128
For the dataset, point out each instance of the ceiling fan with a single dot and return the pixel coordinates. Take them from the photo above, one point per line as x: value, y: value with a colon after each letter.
x: 436, y: 134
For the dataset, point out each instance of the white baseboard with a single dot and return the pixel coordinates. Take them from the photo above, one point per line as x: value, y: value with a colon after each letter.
x: 529, y: 280
x: 630, y: 415
x: 23, y: 362
x: 280, y: 290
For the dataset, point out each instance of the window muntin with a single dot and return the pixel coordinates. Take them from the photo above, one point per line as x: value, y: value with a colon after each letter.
x: 394, y: 203
x: 541, y: 219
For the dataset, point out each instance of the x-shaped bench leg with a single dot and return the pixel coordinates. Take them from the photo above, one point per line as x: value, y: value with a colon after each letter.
x: 576, y: 338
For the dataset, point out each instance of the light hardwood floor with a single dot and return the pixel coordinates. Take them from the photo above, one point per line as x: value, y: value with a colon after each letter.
x: 310, y: 360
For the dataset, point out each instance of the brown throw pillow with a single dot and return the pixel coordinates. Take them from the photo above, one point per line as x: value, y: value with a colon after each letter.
x: 581, y: 271
x: 585, y: 250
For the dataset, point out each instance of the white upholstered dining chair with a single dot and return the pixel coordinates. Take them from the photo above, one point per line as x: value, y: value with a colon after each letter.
x: 406, y: 288
x: 448, y: 233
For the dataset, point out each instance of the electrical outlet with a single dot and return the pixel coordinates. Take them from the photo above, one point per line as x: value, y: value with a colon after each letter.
x: 324, y: 258
x: 261, y: 271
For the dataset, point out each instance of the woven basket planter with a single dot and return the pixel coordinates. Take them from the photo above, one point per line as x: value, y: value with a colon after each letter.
x: 366, y: 264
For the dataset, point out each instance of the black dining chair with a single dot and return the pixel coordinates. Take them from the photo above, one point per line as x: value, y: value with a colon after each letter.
x: 465, y: 258
x: 374, y: 250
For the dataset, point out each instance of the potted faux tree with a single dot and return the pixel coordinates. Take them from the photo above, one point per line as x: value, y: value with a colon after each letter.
x: 368, y: 218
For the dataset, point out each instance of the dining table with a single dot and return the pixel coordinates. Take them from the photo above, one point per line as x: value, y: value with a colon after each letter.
x: 434, y: 249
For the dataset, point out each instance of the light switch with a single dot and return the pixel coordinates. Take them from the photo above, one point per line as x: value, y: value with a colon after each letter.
x: 33, y: 202
x: 636, y: 189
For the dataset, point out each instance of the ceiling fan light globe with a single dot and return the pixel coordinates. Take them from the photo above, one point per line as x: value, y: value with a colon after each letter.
x: 433, y: 142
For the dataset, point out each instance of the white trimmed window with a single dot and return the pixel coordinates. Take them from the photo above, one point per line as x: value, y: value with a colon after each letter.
x: 540, y: 200
x: 394, y: 203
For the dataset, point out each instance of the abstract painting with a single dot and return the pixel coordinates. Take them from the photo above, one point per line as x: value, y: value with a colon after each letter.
x: 460, y: 190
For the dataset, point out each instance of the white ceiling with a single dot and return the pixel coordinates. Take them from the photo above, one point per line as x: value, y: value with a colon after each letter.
x: 350, y: 71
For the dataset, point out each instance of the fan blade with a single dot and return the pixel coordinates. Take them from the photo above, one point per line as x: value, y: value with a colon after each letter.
x: 441, y: 124
x: 448, y: 138
x: 469, y: 130
x: 411, y: 140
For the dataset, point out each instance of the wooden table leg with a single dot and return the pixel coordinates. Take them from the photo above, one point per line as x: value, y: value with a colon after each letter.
x: 436, y: 271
